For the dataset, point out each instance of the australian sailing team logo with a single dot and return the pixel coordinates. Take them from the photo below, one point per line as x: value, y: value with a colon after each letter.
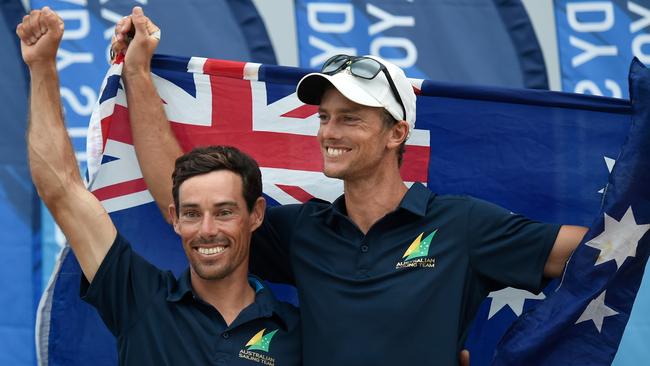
x: 417, y: 254
x: 257, y: 348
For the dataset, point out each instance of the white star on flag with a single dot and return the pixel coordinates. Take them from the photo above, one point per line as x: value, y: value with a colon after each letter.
x: 596, y: 311
x: 512, y: 297
x: 610, y: 165
x: 619, y: 239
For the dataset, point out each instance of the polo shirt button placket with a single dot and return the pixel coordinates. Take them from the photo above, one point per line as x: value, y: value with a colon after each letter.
x: 364, y: 248
x: 225, y: 335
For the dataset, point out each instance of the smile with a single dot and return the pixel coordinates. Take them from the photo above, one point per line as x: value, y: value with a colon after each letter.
x: 211, y: 250
x: 334, y: 152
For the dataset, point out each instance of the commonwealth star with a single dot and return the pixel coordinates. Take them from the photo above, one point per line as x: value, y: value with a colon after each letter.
x: 619, y: 239
x: 596, y: 311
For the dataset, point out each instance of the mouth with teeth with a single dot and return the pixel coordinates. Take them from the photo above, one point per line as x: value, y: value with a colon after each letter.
x: 210, y: 251
x: 335, y: 152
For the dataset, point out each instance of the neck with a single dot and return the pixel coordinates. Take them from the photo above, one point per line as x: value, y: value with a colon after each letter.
x: 229, y: 295
x: 369, y: 199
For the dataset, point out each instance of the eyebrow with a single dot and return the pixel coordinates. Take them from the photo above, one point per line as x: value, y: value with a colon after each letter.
x: 217, y: 205
x: 342, y: 110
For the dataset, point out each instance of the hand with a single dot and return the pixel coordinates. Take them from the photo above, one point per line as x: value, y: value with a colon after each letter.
x: 40, y: 34
x: 464, y: 358
x: 137, y: 37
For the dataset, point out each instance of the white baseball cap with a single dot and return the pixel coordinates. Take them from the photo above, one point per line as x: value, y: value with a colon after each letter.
x: 375, y: 92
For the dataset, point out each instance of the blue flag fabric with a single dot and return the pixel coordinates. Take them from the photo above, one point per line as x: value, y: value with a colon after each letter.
x: 582, y: 322
x: 540, y: 153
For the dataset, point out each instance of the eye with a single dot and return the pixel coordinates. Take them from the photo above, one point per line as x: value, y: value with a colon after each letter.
x: 190, y: 216
x: 322, y: 117
x: 225, y: 212
x: 348, y: 118
x: 190, y: 213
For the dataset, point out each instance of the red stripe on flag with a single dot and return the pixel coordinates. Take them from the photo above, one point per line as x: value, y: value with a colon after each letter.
x: 120, y: 189
x: 302, y: 111
x: 117, y: 127
x: 296, y: 192
x: 415, y: 167
x: 230, y: 69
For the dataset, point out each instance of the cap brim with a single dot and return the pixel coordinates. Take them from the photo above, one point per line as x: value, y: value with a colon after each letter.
x: 311, y: 88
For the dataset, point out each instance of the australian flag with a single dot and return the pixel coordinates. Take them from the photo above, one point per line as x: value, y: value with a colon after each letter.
x: 543, y: 154
x: 582, y: 321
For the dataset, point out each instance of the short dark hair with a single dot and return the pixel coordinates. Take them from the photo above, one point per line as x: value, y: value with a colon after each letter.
x: 203, y: 160
x: 389, y: 122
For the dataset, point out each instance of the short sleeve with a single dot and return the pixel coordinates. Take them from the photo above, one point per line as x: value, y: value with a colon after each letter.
x: 123, y: 287
x: 506, y: 249
x: 270, y: 245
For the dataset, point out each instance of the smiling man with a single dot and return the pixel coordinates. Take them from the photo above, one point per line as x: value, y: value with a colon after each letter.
x: 215, y: 313
x: 386, y: 274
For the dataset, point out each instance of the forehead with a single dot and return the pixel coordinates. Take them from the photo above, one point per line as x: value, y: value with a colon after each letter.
x: 216, y: 186
x: 333, y: 100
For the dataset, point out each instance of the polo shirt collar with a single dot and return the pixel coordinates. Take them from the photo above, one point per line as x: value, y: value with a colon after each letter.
x: 415, y: 201
x: 264, y: 299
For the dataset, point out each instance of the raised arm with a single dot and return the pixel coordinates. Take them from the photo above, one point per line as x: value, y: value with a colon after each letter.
x: 55, y: 173
x: 566, y: 242
x: 155, y: 144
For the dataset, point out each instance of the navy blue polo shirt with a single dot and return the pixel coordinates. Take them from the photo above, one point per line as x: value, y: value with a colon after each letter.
x: 159, y: 320
x: 405, y: 292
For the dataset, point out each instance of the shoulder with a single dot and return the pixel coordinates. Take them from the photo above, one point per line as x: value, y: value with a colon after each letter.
x: 456, y: 202
x: 292, y: 210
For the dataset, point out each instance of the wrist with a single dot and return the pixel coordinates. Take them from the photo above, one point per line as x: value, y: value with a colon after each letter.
x: 133, y: 73
x: 37, y: 68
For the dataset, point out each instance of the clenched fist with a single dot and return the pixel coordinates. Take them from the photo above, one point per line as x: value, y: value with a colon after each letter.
x: 40, y: 34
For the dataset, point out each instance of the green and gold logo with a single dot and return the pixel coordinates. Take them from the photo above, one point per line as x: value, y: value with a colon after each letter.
x: 259, y: 342
x: 417, y: 253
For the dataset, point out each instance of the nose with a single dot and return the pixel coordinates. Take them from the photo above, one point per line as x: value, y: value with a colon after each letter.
x: 329, y: 130
x: 209, y: 227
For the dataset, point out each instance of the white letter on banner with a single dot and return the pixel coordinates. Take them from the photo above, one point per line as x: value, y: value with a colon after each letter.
x: 67, y: 58
x: 644, y: 13
x: 606, y: 7
x: 84, y: 23
x: 387, y: 20
x: 77, y: 107
x: 589, y: 87
x: 590, y: 51
x: 76, y: 2
x: 313, y: 9
x: 404, y: 43
x: 637, y: 47
x: 328, y: 51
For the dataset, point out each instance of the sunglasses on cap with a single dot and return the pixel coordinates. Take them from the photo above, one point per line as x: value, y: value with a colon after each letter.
x: 363, y: 67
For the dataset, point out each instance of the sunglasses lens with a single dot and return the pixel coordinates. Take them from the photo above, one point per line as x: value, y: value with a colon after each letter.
x: 334, y: 63
x: 366, y: 68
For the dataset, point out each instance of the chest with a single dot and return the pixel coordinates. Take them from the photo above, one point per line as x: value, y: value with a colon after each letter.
x: 177, y: 334
x: 396, y: 247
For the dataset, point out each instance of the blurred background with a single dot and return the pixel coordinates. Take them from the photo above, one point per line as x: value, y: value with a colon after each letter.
x: 562, y: 45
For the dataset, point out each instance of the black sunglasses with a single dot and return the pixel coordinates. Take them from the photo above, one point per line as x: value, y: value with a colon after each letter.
x: 363, y: 67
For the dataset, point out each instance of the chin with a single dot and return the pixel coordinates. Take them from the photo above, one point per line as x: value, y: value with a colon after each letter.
x: 211, y: 275
x: 334, y: 172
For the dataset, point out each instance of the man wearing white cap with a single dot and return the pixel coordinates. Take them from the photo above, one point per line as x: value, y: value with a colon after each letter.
x: 386, y: 274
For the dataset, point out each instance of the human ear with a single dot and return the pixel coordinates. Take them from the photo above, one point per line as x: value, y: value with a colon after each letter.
x: 174, y: 217
x: 398, y: 134
x: 257, y: 214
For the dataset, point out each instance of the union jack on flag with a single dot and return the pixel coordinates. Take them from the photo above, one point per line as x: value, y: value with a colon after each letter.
x: 539, y: 153
x: 210, y: 102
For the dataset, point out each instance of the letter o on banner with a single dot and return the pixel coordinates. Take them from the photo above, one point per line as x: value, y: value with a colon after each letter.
x: 410, y: 52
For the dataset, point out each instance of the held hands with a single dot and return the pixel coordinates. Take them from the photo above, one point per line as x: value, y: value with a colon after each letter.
x: 137, y: 37
x: 40, y: 34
